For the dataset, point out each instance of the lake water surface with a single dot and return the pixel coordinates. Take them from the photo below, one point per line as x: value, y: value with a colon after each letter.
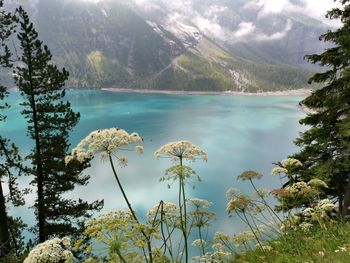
x: 237, y: 132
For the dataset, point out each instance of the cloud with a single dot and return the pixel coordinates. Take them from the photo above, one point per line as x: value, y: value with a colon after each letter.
x: 316, y: 9
x: 244, y: 21
x: 209, y: 27
x: 244, y: 29
x: 277, y: 35
x: 214, y: 10
x: 266, y: 7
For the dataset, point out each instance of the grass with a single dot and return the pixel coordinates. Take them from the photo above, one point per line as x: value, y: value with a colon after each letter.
x: 317, y: 245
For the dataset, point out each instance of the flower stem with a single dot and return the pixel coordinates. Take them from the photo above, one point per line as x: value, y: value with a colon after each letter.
x: 265, y: 202
x: 256, y: 237
x: 201, y: 239
x: 121, y: 257
x: 131, y: 210
x: 182, y: 205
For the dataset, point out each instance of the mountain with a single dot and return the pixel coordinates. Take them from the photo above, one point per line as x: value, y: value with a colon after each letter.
x: 188, y: 45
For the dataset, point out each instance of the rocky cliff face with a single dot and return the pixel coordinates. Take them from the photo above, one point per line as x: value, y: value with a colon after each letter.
x: 190, y: 45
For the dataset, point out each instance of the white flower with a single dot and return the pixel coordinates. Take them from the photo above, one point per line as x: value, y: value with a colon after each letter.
x: 199, y: 203
x: 139, y: 149
x: 243, y: 238
x: 167, y: 209
x: 326, y: 205
x: 106, y: 142
x: 233, y: 193
x: 279, y: 170
x: 291, y: 162
x: 221, y: 236
x: 181, y: 150
x: 198, y: 243
x: 305, y: 226
x: 108, y: 216
x: 68, y: 159
x: 51, y: 251
x: 321, y: 254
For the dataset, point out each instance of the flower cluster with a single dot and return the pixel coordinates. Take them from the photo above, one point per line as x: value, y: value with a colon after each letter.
x: 181, y: 150
x: 119, y: 235
x: 198, y: 243
x: 221, y: 237
x: 164, y: 211
x: 286, y: 166
x: 298, y: 188
x: 323, y: 210
x: 198, y: 213
x: 291, y: 162
x: 279, y: 170
x: 108, y: 217
x: 237, y: 201
x: 51, y: 251
x: 219, y: 254
x: 105, y: 142
x: 295, y: 195
x: 199, y: 203
x: 240, y: 204
x: 249, y: 175
x: 243, y: 238
x: 292, y: 222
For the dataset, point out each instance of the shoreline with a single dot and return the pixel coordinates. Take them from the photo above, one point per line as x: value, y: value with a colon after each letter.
x: 295, y: 92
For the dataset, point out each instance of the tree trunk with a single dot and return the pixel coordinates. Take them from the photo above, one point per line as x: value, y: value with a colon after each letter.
x: 39, y: 176
x: 345, y: 212
x: 4, y: 230
x: 37, y: 158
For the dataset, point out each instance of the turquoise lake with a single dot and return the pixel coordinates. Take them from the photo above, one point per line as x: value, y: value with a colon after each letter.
x: 238, y: 132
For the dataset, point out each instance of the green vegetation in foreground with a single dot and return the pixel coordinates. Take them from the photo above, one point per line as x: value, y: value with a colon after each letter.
x: 315, y: 245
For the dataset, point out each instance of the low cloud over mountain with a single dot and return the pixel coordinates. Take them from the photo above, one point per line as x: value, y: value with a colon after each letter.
x: 185, y: 44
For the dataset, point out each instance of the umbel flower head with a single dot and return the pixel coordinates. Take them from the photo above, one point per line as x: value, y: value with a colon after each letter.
x: 317, y: 183
x: 51, y: 251
x: 239, y: 204
x: 181, y: 150
x: 106, y: 142
x: 291, y: 162
x: 199, y: 203
x: 167, y: 209
x: 249, y: 175
x: 286, y: 166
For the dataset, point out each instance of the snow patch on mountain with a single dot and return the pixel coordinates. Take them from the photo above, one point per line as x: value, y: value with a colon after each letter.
x: 189, y: 35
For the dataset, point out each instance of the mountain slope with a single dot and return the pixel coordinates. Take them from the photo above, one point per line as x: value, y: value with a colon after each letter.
x: 208, y: 66
x: 207, y: 45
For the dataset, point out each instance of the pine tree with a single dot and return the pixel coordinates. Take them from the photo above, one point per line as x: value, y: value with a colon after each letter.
x: 50, y: 119
x: 326, y: 145
x: 10, y: 161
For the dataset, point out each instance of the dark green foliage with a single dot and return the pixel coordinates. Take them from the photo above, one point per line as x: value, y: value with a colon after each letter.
x: 50, y: 119
x: 128, y: 47
x: 10, y: 161
x: 325, y: 146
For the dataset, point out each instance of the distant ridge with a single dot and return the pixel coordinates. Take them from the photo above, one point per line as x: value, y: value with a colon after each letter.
x: 111, y: 44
